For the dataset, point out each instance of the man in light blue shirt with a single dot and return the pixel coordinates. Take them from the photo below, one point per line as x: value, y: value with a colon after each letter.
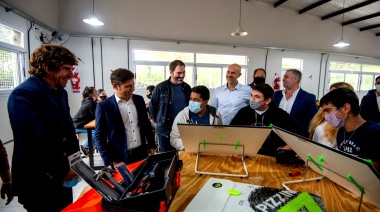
x: 231, y: 97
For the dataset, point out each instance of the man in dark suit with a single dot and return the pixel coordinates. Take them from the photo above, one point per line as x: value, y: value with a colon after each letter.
x: 43, y: 131
x: 123, y: 132
x: 300, y: 104
x: 369, y: 107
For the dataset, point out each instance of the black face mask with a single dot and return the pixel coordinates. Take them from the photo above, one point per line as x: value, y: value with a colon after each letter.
x: 149, y: 96
x: 259, y: 80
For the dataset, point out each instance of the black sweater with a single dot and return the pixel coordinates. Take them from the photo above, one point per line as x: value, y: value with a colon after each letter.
x: 275, y: 116
x: 85, y: 114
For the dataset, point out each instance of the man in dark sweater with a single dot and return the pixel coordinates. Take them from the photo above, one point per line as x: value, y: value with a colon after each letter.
x: 263, y: 112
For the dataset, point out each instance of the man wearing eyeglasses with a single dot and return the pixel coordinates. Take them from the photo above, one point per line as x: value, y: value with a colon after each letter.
x: 198, y: 112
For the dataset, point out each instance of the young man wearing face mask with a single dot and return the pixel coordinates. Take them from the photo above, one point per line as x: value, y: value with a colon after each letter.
x: 198, y: 112
x: 262, y: 112
x: 356, y: 135
x: 370, y: 105
x: 259, y: 76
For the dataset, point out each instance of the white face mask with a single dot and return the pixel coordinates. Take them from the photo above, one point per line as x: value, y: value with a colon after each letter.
x: 378, y: 88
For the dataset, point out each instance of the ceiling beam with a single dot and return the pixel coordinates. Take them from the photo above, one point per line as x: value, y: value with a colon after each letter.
x: 369, y: 27
x: 361, y: 19
x: 276, y: 4
x: 348, y: 9
x: 312, y: 6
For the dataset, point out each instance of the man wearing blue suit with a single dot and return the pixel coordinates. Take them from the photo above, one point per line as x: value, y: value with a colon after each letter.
x: 369, y: 106
x: 300, y: 104
x: 123, y: 132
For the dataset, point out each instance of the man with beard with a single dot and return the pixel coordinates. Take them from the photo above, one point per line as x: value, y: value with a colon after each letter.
x: 168, y: 99
x: 232, y: 96
x: 300, y: 104
x: 259, y: 76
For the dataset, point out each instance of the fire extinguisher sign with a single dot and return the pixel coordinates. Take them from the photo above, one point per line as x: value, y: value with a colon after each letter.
x: 75, y: 80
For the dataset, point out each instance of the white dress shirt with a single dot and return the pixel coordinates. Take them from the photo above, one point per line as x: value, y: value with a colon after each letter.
x: 287, y: 104
x: 128, y: 113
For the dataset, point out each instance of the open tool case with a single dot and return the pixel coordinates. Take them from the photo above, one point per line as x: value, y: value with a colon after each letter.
x: 159, y: 174
x: 160, y: 192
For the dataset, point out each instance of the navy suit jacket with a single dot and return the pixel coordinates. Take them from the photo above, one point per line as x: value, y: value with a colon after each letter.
x: 304, y: 107
x: 110, y: 135
x: 369, y: 109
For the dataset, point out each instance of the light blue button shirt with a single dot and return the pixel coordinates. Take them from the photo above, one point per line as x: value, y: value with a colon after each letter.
x: 229, y: 102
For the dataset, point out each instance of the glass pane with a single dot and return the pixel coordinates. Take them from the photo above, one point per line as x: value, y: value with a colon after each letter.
x: 11, y: 36
x: 370, y: 68
x: 149, y: 75
x: 344, y: 66
x: 189, y: 75
x: 336, y: 77
x: 146, y: 55
x: 353, y: 79
x: 209, y: 77
x: 8, y: 70
x: 289, y: 63
x: 242, y: 79
x: 353, y: 67
x: 221, y: 59
x: 367, y: 82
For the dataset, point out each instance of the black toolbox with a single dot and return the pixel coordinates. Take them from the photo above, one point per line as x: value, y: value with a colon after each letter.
x: 161, y: 191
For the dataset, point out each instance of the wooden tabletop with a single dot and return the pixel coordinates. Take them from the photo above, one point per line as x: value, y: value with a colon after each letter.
x: 335, y: 197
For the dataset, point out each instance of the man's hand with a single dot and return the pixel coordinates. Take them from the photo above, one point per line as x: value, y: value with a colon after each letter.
x: 71, y: 175
x: 6, y: 190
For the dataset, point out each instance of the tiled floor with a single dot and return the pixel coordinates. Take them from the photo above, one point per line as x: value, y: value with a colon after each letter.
x: 14, y: 206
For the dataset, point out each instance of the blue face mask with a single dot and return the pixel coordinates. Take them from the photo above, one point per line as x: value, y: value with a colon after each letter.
x: 254, y: 104
x: 194, y: 107
x: 71, y: 183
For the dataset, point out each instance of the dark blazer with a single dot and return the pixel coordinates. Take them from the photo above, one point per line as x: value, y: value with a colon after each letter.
x: 110, y: 135
x: 44, y: 136
x: 371, y: 91
x: 369, y: 109
x: 304, y: 107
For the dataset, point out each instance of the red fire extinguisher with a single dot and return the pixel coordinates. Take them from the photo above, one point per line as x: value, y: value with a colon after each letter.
x: 277, y: 81
x: 75, y: 80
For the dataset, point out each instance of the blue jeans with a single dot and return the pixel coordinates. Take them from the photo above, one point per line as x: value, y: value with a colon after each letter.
x: 85, y: 131
x: 164, y: 144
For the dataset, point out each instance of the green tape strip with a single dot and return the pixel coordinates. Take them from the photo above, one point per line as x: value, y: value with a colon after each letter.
x: 352, y: 180
x: 233, y: 192
x: 237, y: 144
x: 204, y: 143
x: 368, y: 161
x: 315, y: 163
x: 220, y: 137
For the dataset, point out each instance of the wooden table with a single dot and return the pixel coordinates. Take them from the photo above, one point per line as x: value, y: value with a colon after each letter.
x: 89, y: 127
x: 335, y: 197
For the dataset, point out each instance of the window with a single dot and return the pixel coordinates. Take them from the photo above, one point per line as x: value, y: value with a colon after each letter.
x: 12, y: 59
x: 360, y: 76
x: 152, y: 67
x: 290, y: 63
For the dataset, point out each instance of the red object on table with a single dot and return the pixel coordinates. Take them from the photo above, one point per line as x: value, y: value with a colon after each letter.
x: 91, y: 200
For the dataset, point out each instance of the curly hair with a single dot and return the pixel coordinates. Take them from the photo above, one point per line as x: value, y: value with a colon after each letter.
x: 53, y: 56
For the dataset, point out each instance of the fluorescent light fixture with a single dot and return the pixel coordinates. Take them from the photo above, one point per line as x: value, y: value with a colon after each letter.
x: 239, y: 31
x: 93, y: 20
